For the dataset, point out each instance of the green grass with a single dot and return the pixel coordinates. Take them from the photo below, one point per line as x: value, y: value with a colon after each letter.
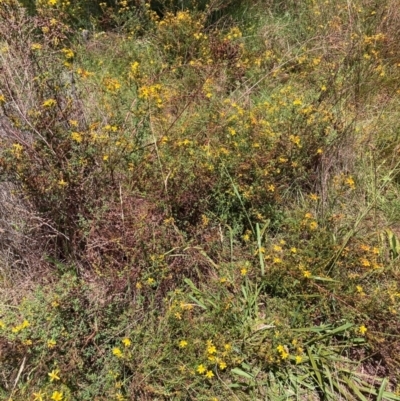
x: 200, y: 206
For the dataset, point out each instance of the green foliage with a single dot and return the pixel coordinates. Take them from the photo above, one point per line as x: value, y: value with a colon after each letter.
x: 216, y: 196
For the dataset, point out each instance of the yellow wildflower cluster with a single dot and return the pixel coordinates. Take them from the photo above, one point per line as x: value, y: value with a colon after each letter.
x: 16, y: 329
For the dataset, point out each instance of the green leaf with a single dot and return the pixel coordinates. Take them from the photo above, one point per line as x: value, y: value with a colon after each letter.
x: 242, y: 373
x: 382, y: 389
x: 198, y: 302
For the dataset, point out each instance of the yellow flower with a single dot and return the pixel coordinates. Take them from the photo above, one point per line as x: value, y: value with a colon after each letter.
x: 209, y: 374
x: 126, y: 342
x: 222, y: 365
x: 313, y: 225
x: 62, y: 183
x: 68, y: 53
x: 350, y: 182
x: 297, y: 102
x: 119, y: 397
x: 49, y: 103
x: 54, y: 375
x: 293, y: 250
x: 76, y: 136
x: 243, y: 271
x: 211, y: 349
x: 306, y: 273
x: 362, y: 329
x: 365, y: 262
x: 201, y: 369
x: 134, y: 67
x: 117, y: 352
x: 36, y: 46
x: 51, y: 343
x: 183, y: 344
x: 25, y: 324
x: 38, y: 396
x: 57, y: 396
x: 314, y: 197
x: 298, y: 358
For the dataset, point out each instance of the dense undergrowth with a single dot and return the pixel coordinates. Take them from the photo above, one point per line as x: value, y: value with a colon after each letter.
x: 199, y: 201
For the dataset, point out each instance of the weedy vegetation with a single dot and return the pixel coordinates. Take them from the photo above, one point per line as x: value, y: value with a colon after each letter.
x: 199, y: 200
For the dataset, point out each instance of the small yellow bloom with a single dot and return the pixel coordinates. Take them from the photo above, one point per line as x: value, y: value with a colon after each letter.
x: 243, y: 271
x: 54, y: 375
x: 293, y: 250
x: 61, y: 183
x: 306, y: 273
x: 25, y: 324
x: 51, y: 343
x: 222, y: 365
x: 313, y: 225
x: 298, y: 358
x: 350, y: 182
x: 209, y: 374
x: 49, y: 103
x: 365, y: 262
x: 314, y: 197
x: 117, y: 352
x: 183, y: 344
x: 211, y: 349
x: 297, y: 102
x: 36, y: 46
x: 38, y: 396
x: 127, y: 342
x: 77, y: 137
x: 57, y: 396
x: 119, y: 397
x: 362, y: 329
x: 201, y: 369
